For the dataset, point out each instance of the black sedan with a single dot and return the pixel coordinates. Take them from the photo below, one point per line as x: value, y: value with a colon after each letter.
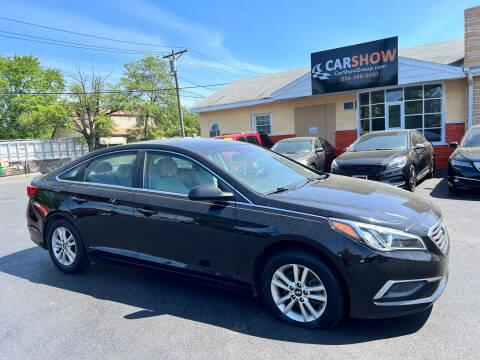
x: 314, y: 246
x: 313, y: 152
x: 464, y: 163
x: 396, y: 157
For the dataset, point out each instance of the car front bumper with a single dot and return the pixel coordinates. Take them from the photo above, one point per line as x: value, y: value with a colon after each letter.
x: 396, y: 177
x: 463, y: 177
x: 396, y: 283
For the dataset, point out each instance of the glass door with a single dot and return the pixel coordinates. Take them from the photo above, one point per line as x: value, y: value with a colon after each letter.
x: 395, y: 115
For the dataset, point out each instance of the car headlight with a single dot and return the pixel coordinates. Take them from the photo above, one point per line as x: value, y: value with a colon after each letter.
x: 334, y: 164
x: 398, y: 163
x: 378, y: 237
x: 461, y: 163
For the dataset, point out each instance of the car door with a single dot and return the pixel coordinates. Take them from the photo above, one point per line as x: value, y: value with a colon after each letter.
x: 319, y: 153
x: 170, y: 228
x: 101, y: 202
x: 420, y: 156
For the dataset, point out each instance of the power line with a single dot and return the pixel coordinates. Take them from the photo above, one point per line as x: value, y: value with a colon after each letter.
x: 224, y: 63
x: 87, y: 35
x: 125, y: 41
x: 112, y: 91
x: 50, y: 41
x: 210, y: 68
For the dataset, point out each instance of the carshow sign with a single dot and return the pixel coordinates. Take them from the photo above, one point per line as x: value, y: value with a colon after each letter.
x: 360, y: 66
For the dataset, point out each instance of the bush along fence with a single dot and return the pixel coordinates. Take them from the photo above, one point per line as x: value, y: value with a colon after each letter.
x: 37, y: 155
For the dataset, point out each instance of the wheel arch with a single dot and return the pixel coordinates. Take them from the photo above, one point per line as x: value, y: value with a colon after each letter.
x: 49, y: 220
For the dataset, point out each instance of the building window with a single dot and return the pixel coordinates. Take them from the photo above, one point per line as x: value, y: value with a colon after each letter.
x: 349, y: 105
x: 412, y: 107
x: 262, y: 123
x: 214, y: 128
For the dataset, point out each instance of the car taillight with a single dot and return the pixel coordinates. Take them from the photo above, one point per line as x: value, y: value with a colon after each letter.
x: 31, y: 189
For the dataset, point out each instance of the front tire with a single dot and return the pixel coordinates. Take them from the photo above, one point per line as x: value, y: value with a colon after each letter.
x: 301, y: 290
x: 66, y: 247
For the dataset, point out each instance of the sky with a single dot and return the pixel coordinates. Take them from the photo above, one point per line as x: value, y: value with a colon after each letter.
x: 226, y: 40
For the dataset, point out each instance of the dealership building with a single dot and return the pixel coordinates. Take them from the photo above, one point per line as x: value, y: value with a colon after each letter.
x: 349, y: 91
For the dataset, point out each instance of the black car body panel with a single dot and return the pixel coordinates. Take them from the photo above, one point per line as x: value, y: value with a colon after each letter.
x: 464, y: 164
x: 373, y: 164
x: 227, y: 242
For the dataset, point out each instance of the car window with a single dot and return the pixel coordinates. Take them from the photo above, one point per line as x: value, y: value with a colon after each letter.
x: 472, y: 138
x: 266, y: 141
x: 293, y: 147
x: 112, y: 169
x: 242, y: 139
x: 74, y: 174
x: 380, y: 141
x: 174, y: 173
x: 318, y: 144
x: 259, y: 169
x: 252, y: 140
x: 417, y: 139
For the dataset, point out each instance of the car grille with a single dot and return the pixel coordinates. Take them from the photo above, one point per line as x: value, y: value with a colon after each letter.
x: 439, y: 235
x: 371, y: 171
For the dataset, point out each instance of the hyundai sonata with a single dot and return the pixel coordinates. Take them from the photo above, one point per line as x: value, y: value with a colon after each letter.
x: 316, y: 247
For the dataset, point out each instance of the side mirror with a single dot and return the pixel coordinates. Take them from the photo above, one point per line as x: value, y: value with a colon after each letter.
x: 419, y: 147
x: 209, y: 192
x: 453, y: 145
x: 319, y: 150
x: 345, y: 149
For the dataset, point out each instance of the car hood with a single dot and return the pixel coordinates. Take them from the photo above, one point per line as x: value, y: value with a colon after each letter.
x: 375, y: 157
x: 298, y: 157
x: 466, y: 153
x: 361, y: 200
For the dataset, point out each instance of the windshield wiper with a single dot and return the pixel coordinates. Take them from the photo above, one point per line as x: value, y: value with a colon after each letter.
x: 279, y: 190
x: 311, y: 179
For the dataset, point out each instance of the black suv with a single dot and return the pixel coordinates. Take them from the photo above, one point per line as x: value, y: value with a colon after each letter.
x: 396, y: 157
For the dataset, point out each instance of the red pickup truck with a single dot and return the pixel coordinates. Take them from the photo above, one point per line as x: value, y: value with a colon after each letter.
x: 252, y: 138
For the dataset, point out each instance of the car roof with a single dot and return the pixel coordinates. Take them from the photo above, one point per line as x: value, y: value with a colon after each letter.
x: 299, y: 138
x: 388, y: 132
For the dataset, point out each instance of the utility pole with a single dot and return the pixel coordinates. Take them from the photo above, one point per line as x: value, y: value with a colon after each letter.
x: 173, y: 68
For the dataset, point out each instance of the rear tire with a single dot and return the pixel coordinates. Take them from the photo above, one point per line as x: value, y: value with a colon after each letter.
x: 412, y: 181
x: 432, y: 169
x: 314, y: 300
x: 66, y: 248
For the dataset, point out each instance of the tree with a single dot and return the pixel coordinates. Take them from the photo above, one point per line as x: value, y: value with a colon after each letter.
x: 20, y: 75
x: 151, y: 97
x: 93, y: 100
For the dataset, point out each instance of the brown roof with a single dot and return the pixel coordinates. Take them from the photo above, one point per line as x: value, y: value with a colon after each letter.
x: 450, y: 52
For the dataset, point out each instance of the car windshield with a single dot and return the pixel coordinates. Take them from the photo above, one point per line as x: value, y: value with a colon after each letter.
x: 371, y: 142
x: 293, y: 147
x: 259, y: 169
x: 472, y: 138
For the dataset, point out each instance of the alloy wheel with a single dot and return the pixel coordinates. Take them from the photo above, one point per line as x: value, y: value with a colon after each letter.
x: 298, y: 293
x: 64, y: 246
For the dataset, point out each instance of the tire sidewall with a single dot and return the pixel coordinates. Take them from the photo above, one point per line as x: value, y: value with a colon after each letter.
x: 412, y: 186
x: 80, y: 258
x: 335, y: 308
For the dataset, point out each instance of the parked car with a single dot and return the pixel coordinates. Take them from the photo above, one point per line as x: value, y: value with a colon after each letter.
x: 314, y: 152
x: 464, y: 163
x: 396, y: 157
x: 314, y: 246
x: 251, y: 138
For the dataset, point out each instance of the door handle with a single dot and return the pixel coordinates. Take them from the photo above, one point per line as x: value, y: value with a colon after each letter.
x: 79, y: 199
x: 147, y: 212
x: 113, y: 201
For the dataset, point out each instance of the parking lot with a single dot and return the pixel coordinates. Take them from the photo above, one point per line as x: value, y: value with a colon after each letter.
x: 112, y: 311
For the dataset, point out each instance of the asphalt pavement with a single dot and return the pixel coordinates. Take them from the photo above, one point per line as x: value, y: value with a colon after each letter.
x: 117, y: 312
